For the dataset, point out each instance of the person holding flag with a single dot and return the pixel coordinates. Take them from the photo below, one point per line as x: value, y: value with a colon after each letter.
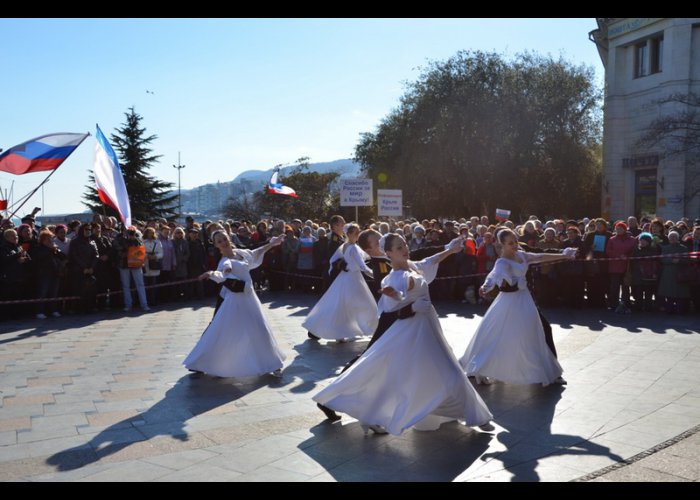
x: 131, y: 251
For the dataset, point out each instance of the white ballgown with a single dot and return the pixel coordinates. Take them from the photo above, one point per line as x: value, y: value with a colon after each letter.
x: 238, y: 342
x: 410, y: 375
x: 509, y: 344
x: 347, y: 309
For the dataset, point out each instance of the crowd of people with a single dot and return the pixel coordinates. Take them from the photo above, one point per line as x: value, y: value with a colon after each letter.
x: 87, y: 260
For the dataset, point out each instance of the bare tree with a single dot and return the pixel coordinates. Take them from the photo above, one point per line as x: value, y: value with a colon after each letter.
x: 242, y: 209
x: 678, y: 134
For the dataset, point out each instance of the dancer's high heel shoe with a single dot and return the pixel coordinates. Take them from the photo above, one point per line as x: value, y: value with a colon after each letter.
x: 330, y: 414
x: 378, y: 429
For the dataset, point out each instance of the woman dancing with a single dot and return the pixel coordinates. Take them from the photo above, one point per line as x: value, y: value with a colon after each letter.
x: 347, y: 309
x: 238, y: 342
x: 509, y: 344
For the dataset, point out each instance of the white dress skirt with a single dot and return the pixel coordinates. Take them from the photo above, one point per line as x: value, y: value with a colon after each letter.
x: 238, y: 342
x: 509, y: 344
x: 347, y: 309
x: 410, y: 376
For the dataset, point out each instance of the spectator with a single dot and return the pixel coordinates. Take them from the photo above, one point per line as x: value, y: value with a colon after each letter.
x: 130, y: 261
x: 418, y: 241
x: 48, y: 261
x: 674, y: 294
x: 14, y: 269
x: 572, y: 272
x: 154, y: 253
x: 620, y: 247
x: 530, y: 236
x: 181, y: 250
x: 693, y: 244
x: 305, y: 262
x: 196, y: 264
x: 593, y: 247
x: 645, y: 273
x: 633, y: 226
x: 290, y: 257
x: 546, y: 277
x: 244, y: 239
x: 60, y: 239
x: 82, y: 261
x: 168, y: 264
x: 104, y: 267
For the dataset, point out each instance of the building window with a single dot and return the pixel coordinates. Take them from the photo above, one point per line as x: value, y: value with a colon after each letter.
x: 649, y: 56
x: 645, y: 192
x: 640, y: 60
x: 656, y: 54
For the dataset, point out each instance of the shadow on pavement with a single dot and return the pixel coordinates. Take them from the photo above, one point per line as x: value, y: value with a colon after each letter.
x: 316, y: 361
x: 191, y: 395
x: 348, y: 455
x: 526, y: 413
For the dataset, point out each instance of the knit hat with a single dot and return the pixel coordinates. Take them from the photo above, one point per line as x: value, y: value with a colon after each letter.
x: 646, y: 236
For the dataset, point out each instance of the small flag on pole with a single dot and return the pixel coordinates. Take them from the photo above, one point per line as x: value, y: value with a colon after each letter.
x: 274, y: 187
x: 40, y: 154
x: 109, y: 179
x: 502, y: 214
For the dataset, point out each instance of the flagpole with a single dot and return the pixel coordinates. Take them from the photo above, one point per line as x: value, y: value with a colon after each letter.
x: 47, y: 178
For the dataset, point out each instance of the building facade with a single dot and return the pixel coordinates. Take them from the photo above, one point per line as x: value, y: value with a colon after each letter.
x: 645, y: 60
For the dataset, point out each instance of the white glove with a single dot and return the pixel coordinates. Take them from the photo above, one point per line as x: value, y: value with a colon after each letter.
x: 277, y: 240
x: 455, y: 244
x: 421, y: 305
x: 570, y: 253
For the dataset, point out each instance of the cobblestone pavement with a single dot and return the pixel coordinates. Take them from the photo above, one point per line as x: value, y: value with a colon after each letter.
x: 104, y: 397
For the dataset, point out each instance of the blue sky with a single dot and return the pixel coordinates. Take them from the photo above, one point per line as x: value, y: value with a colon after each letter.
x: 233, y: 95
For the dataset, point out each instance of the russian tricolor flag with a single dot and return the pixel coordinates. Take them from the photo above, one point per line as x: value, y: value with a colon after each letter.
x: 502, y: 214
x: 40, y: 154
x: 109, y: 179
x: 275, y: 187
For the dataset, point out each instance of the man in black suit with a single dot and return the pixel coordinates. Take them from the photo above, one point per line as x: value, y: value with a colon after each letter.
x: 334, y: 242
x: 548, y: 337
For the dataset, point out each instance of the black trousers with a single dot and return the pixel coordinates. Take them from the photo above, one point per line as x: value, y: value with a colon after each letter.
x: 547, y: 332
x: 547, y: 328
x: 385, y: 321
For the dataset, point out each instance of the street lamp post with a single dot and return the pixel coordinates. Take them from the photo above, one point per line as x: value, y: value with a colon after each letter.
x: 179, y: 167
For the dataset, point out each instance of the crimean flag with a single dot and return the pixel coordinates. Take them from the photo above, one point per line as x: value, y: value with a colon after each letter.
x: 274, y: 187
x: 502, y: 214
x: 40, y: 154
x: 109, y: 179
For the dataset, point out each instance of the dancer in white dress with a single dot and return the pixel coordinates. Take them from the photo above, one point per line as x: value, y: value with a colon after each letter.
x: 347, y: 309
x: 238, y: 342
x: 410, y: 375
x: 509, y: 344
